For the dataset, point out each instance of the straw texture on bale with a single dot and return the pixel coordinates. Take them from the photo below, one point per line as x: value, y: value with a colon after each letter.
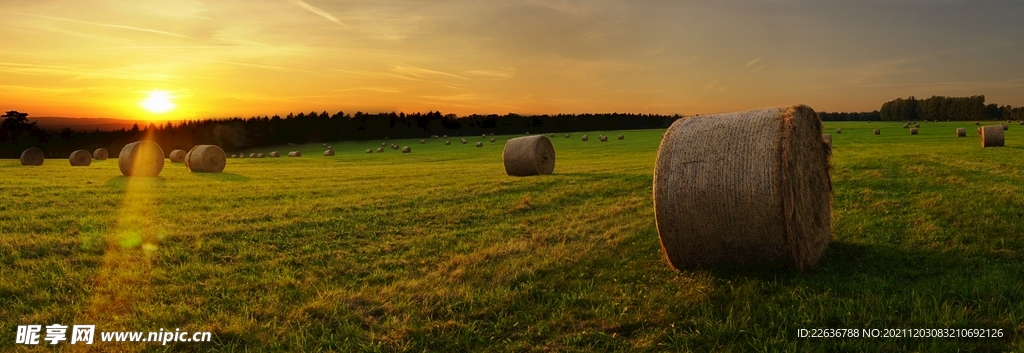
x: 992, y: 136
x: 622, y: 137
x: 913, y: 131
x: 479, y: 144
x: 294, y: 154
x: 80, y: 158
x: 177, y: 156
x: 100, y: 154
x: 205, y: 159
x: 406, y: 149
x: 529, y: 155
x: 275, y: 154
x: 961, y: 132
x: 32, y: 156
x: 878, y: 131
x: 142, y: 158
x: 584, y: 137
x: 380, y: 149
x: 329, y: 153
x: 744, y: 190
x: 827, y: 139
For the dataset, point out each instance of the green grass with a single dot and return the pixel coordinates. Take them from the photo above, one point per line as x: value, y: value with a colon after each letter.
x: 439, y: 250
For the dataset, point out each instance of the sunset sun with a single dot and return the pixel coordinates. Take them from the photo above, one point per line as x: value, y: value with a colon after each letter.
x: 158, y: 102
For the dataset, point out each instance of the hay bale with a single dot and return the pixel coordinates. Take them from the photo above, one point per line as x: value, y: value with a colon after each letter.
x: 394, y: 146
x: 529, y: 155
x: 100, y: 154
x: 380, y: 149
x: 567, y: 135
x: 447, y: 142
x: 329, y: 153
x: 839, y: 131
x: 746, y: 189
x: 483, y: 136
x: 913, y: 131
x: 294, y: 154
x: 492, y: 139
x: 827, y: 139
x: 917, y: 125
x: 991, y: 136
x: 330, y: 147
x: 275, y: 154
x: 584, y: 137
x: 369, y: 150
x: 961, y: 132
x: 1006, y: 127
x: 177, y: 156
x: 252, y: 155
x: 324, y: 144
x: 235, y: 155
x: 878, y: 131
x: 977, y: 123
x: 906, y: 126
x: 205, y: 159
x: 552, y: 135
x: 382, y: 144
x: 259, y: 155
x: 241, y: 155
x: 479, y: 144
x: 622, y: 137
x: 444, y: 136
x: 80, y: 158
x: 32, y: 156
x: 603, y: 138
x: 463, y: 141
x: 141, y: 158
x: 423, y: 141
x: 406, y: 149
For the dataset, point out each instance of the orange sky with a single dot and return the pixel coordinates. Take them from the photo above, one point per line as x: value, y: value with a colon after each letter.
x: 100, y: 58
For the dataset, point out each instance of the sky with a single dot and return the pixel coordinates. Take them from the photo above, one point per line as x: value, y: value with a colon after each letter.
x: 225, y: 58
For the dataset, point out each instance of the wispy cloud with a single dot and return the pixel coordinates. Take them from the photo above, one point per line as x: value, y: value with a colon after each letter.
x: 318, y: 11
x: 712, y: 85
x: 133, y: 28
x: 752, y: 62
x: 499, y: 74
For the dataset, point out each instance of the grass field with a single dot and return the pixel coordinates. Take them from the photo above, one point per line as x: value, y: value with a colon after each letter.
x: 439, y: 250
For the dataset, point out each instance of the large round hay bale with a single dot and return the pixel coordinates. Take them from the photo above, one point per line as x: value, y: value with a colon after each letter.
x: 961, y: 132
x: 177, y: 156
x: 827, y: 139
x: 80, y: 158
x: 275, y: 154
x: 205, y: 159
x: 32, y: 156
x: 622, y: 137
x: 329, y: 153
x: 746, y: 189
x: 878, y: 131
x: 142, y: 158
x: 479, y: 144
x: 294, y: 154
x: 839, y: 131
x: 406, y: 149
x: 992, y: 136
x: 584, y: 137
x: 380, y: 149
x: 529, y: 155
x: 448, y: 142
x: 100, y: 154
x: 913, y: 131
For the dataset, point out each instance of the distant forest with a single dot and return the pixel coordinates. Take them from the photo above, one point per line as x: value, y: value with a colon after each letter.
x: 935, y: 108
x: 17, y: 133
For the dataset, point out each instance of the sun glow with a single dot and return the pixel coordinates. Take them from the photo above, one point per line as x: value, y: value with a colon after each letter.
x: 158, y: 102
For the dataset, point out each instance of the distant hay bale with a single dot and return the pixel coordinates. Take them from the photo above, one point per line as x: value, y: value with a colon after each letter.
x: 622, y: 137
x: 913, y: 131
x: 463, y: 141
x: 492, y: 139
x: 991, y: 136
x: 529, y: 155
x: 444, y: 136
x: 584, y: 137
x: 275, y: 154
x: 294, y: 154
x: 917, y: 125
x: 827, y: 139
x: 241, y: 155
x: 324, y: 144
x: 406, y: 149
x: 483, y: 136
x: 100, y: 154
x: 329, y: 153
x: 177, y: 156
x: 205, y: 159
x: 235, y: 155
x: 447, y: 142
x: 32, y: 156
x: 567, y: 135
x: 368, y: 150
x: 977, y: 123
x: 552, y: 135
x: 603, y: 138
x: 252, y: 155
x: 259, y: 155
x: 382, y: 144
x: 906, y: 126
x: 878, y: 131
x: 744, y: 190
x: 141, y: 158
x: 479, y: 144
x: 1006, y: 127
x: 961, y: 132
x: 423, y: 141
x: 80, y: 158
x: 394, y: 146
x: 839, y: 131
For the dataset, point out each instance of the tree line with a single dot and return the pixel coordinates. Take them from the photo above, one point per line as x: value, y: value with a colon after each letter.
x: 240, y: 133
x: 941, y: 108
